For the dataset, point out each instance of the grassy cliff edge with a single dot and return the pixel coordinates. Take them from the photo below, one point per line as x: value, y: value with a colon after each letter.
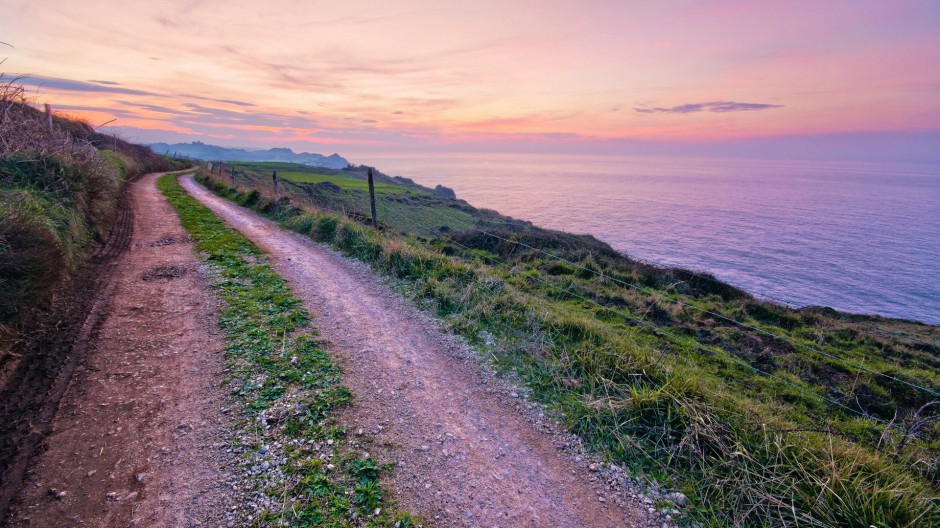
x: 762, y: 414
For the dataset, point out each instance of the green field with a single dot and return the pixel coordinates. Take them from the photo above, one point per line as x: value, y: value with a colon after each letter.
x: 400, y: 207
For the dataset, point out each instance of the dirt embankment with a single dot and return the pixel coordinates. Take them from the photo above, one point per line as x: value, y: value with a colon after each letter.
x: 138, y: 438
x: 464, y: 455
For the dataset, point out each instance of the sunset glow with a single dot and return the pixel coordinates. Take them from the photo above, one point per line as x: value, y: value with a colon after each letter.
x: 399, y: 75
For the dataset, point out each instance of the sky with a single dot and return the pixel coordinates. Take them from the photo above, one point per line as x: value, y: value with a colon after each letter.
x: 581, y: 76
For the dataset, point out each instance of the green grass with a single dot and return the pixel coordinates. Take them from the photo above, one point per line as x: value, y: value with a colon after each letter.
x: 758, y: 431
x: 345, y: 183
x: 403, y: 208
x: 284, y: 381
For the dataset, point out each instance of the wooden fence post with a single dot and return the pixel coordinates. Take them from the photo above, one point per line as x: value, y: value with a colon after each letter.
x: 375, y: 221
x: 49, y: 117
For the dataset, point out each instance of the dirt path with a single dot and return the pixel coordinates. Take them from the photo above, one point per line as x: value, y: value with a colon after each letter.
x: 138, y: 437
x: 464, y: 455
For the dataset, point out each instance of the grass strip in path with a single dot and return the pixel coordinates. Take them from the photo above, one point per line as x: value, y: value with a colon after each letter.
x: 302, y: 468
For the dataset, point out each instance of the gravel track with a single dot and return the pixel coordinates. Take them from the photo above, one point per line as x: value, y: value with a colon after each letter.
x: 467, y: 451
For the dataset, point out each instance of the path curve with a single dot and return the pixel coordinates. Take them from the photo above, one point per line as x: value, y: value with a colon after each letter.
x: 464, y: 456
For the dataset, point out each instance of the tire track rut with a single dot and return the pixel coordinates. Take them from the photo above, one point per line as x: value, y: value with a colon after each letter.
x: 132, y: 433
x: 34, y: 386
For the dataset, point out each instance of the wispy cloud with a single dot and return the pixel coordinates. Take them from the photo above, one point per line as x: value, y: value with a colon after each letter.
x: 56, y: 83
x: 714, y: 106
x: 437, y: 69
x: 227, y: 101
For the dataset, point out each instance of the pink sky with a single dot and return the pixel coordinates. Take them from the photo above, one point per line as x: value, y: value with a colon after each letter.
x: 355, y: 76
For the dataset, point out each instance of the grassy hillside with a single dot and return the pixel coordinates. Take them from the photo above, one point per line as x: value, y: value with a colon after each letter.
x: 761, y: 414
x: 60, y: 190
x: 402, y: 205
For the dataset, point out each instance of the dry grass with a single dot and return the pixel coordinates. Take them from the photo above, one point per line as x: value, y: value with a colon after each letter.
x: 58, y: 195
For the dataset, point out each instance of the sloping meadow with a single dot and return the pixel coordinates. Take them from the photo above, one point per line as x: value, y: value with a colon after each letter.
x: 791, y: 417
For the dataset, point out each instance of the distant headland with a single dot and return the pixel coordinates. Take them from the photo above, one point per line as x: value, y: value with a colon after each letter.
x: 200, y: 150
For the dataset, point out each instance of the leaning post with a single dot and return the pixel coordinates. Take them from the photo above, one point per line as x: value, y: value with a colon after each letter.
x: 234, y: 186
x: 375, y: 221
x: 49, y: 117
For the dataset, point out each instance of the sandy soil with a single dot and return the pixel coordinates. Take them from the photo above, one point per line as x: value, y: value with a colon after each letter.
x: 138, y: 439
x: 465, y: 454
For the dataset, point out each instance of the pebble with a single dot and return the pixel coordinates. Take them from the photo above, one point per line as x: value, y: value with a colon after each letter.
x: 678, y: 498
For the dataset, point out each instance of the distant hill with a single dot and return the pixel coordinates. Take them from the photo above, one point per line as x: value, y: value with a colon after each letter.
x: 200, y: 150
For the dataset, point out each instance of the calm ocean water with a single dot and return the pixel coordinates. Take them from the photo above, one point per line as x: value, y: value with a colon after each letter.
x: 862, y: 238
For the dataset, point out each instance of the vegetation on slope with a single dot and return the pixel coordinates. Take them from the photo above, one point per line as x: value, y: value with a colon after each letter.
x: 763, y: 414
x: 59, y: 195
x: 402, y: 205
x: 288, y: 389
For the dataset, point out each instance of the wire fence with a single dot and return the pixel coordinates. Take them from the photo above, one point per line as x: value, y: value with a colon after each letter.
x: 659, y: 330
x: 389, y: 218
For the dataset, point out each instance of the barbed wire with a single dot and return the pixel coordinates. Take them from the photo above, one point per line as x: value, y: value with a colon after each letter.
x: 680, y: 303
x: 464, y: 224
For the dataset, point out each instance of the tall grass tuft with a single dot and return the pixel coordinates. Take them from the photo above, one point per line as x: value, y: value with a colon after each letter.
x: 58, y: 195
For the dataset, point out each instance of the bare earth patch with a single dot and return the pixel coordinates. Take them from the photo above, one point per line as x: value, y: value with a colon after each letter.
x: 466, y: 452
x: 138, y: 439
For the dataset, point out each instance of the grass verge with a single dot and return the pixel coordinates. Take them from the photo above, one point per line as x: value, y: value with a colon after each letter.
x: 693, y: 409
x: 60, y: 191
x: 305, y: 469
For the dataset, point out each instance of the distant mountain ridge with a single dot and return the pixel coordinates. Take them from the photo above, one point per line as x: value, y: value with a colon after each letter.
x: 200, y: 150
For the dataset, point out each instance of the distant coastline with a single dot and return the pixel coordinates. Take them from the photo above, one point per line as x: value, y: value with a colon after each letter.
x: 203, y: 151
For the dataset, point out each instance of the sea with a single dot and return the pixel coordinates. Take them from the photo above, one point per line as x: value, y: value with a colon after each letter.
x: 857, y: 237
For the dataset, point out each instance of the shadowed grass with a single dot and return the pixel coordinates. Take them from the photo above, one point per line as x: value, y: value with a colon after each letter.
x: 58, y: 196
